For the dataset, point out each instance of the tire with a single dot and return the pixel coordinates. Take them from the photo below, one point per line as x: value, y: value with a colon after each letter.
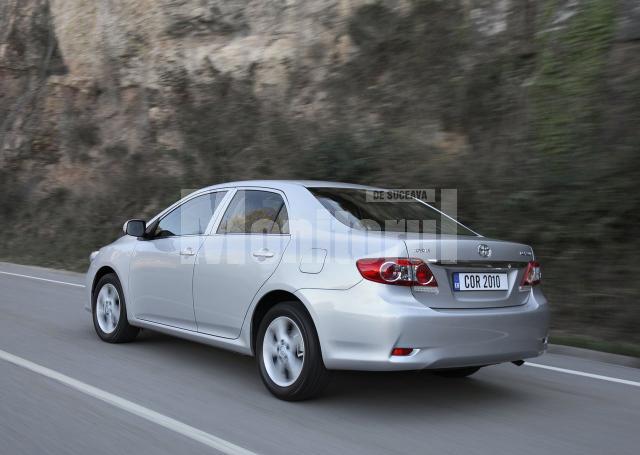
x: 456, y: 372
x: 278, y: 354
x: 109, y: 311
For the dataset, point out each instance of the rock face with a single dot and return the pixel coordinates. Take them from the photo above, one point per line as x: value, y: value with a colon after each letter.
x: 109, y: 109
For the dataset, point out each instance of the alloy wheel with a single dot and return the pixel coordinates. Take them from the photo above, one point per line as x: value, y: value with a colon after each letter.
x: 283, y: 351
x: 108, y: 308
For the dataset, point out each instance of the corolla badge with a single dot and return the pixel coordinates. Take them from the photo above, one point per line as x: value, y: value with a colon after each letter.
x: 484, y: 250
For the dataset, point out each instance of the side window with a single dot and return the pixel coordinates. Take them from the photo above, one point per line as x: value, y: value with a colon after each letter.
x: 255, y: 212
x: 281, y: 226
x: 190, y: 218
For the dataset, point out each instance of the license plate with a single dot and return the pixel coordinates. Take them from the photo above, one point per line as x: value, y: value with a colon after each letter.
x: 480, y: 282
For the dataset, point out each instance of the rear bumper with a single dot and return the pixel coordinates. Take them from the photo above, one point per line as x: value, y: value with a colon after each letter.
x: 360, y: 326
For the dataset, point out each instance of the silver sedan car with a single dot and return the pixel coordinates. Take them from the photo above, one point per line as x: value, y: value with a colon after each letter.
x: 310, y: 277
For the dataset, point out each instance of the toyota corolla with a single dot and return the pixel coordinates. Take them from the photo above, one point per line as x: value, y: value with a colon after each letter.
x: 310, y: 277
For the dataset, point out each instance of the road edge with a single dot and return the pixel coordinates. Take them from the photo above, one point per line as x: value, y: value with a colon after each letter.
x: 600, y: 356
x: 70, y: 273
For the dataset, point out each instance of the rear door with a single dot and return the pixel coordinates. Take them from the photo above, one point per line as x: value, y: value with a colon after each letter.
x: 237, y: 259
x: 472, y: 272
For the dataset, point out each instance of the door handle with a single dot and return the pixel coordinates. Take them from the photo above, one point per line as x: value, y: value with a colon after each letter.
x: 263, y: 253
x: 187, y: 252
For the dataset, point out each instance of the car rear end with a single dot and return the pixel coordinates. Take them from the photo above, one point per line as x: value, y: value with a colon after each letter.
x: 438, y: 301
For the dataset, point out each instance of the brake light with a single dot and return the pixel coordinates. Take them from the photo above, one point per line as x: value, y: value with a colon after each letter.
x: 398, y: 271
x: 532, y: 274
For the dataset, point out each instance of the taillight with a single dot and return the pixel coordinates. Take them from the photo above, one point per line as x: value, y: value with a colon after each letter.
x: 398, y: 271
x: 532, y: 274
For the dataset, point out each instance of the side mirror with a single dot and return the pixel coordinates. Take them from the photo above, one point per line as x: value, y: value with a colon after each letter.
x: 135, y: 228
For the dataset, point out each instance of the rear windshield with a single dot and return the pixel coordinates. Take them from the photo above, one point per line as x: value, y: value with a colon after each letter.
x: 353, y: 208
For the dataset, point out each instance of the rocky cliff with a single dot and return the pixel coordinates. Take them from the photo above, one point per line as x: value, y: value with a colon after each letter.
x: 108, y: 109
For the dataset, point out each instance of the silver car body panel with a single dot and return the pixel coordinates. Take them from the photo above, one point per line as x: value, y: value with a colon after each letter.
x: 358, y: 322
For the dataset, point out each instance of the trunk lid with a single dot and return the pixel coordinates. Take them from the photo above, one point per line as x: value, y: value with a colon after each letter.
x: 447, y: 255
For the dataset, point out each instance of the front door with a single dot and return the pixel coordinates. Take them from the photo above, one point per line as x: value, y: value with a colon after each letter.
x: 161, y: 270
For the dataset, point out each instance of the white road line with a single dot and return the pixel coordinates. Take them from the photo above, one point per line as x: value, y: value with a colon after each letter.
x: 131, y: 407
x: 582, y: 373
x: 43, y: 279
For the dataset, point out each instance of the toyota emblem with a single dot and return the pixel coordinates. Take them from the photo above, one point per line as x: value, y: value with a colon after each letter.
x: 484, y: 250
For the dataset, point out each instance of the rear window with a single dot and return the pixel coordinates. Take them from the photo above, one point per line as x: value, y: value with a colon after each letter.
x: 352, y: 207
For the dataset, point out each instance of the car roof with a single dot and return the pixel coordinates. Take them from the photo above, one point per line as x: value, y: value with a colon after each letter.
x: 284, y: 184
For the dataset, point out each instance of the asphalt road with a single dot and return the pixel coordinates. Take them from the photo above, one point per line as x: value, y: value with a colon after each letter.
x: 501, y: 410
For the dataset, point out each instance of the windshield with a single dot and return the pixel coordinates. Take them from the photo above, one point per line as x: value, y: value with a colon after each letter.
x: 353, y: 208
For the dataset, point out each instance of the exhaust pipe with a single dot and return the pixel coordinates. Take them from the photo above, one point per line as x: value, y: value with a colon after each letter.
x: 518, y: 363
